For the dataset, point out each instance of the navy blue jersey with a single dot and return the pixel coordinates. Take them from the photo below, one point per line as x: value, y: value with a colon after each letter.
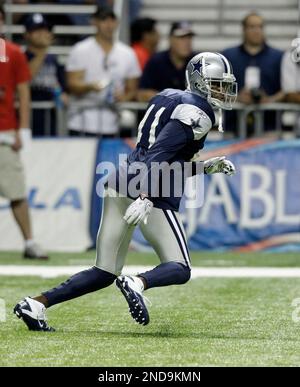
x: 173, y: 129
x: 168, y: 76
x: 268, y: 60
x: 49, y: 77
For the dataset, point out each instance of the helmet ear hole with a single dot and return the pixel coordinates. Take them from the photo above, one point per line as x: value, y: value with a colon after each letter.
x: 199, y: 88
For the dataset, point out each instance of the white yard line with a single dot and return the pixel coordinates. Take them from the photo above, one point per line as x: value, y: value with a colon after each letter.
x: 197, y: 272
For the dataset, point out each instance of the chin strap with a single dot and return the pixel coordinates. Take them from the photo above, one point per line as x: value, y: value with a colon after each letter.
x: 220, y: 127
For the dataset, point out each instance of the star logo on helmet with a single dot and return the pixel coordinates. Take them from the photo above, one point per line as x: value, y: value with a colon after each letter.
x: 197, y: 67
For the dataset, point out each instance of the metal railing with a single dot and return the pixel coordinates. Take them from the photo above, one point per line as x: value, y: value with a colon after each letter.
x: 258, y: 112
x: 242, y: 110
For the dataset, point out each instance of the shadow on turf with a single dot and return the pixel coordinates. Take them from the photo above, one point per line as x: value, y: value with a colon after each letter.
x: 168, y: 335
x: 164, y: 332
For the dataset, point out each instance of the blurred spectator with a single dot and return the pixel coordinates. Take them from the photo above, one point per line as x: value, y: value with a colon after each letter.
x: 144, y: 39
x: 290, y: 73
x: 290, y: 77
x: 14, y: 77
x: 100, y: 72
x: 47, y: 75
x: 256, y: 66
x: 166, y: 69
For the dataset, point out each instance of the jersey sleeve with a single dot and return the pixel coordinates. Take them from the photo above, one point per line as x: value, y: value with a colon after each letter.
x: 21, y: 68
x: 194, y: 117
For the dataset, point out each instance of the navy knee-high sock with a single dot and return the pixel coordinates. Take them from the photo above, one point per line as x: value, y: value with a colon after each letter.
x: 84, y: 282
x: 169, y: 273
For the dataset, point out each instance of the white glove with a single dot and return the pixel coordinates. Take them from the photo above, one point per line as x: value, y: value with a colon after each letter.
x: 219, y: 165
x: 138, y: 211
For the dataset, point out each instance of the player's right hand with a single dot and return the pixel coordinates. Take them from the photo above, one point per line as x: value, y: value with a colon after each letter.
x: 138, y: 211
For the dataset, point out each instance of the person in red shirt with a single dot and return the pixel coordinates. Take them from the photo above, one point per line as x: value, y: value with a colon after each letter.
x: 144, y: 39
x: 14, y: 78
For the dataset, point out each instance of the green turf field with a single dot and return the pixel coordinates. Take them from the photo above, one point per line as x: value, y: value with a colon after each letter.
x: 209, y: 321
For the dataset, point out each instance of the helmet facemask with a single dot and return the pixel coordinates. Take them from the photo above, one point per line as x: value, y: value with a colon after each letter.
x: 221, y: 93
x: 210, y: 75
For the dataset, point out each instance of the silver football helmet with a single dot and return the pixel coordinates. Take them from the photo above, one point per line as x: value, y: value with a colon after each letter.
x: 210, y: 75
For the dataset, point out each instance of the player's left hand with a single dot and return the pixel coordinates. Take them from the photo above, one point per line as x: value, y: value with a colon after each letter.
x: 219, y: 165
x: 138, y: 211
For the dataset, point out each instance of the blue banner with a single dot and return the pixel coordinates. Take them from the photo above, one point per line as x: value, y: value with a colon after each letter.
x: 257, y: 209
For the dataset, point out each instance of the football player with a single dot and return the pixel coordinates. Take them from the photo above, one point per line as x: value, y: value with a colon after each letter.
x: 174, y: 128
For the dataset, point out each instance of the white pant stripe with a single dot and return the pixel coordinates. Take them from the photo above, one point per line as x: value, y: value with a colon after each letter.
x: 171, y: 215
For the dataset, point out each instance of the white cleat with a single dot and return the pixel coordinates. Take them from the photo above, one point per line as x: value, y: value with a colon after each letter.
x: 33, y: 313
x: 135, y: 299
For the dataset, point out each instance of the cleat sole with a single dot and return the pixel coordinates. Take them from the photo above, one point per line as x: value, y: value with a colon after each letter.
x: 135, y: 310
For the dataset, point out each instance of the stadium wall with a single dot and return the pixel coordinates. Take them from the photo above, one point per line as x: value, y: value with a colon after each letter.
x: 59, y: 175
x: 257, y: 209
